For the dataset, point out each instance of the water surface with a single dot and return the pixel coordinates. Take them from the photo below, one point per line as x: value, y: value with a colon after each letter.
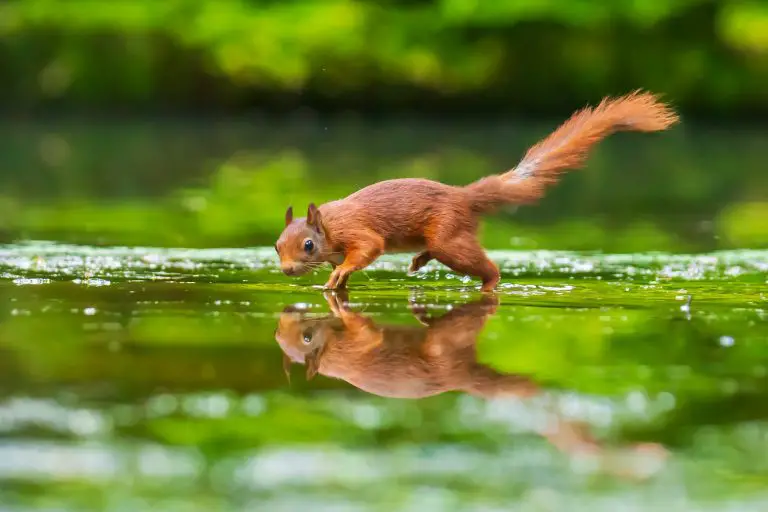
x: 151, y: 379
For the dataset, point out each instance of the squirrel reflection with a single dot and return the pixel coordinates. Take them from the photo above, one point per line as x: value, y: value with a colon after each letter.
x: 419, y: 361
x: 397, y: 361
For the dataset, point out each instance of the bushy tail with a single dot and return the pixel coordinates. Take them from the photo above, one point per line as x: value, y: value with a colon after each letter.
x: 567, y: 148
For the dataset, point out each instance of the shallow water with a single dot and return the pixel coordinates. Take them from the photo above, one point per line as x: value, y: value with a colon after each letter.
x: 151, y: 379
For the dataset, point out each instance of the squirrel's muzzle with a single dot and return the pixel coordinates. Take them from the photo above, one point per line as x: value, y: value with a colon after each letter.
x: 293, y: 269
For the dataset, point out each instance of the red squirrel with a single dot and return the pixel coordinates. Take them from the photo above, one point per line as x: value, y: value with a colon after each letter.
x: 441, y: 221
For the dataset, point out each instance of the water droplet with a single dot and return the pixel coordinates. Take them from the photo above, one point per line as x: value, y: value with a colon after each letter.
x: 726, y: 341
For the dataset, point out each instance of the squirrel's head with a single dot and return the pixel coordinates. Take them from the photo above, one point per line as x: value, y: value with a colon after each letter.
x: 302, y: 339
x: 302, y: 245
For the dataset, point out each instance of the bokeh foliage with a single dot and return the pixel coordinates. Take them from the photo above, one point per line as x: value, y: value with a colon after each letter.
x: 535, y: 55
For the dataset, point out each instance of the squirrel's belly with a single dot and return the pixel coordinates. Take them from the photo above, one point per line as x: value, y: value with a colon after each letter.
x: 404, y: 244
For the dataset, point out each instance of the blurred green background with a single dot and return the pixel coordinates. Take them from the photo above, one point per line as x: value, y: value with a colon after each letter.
x: 528, y: 55
x: 195, y: 123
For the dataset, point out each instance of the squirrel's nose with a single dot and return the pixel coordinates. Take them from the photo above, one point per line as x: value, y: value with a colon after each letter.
x: 288, y: 269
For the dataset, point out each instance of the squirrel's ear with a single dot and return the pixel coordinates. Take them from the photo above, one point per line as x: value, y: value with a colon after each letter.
x: 313, y: 216
x: 289, y: 215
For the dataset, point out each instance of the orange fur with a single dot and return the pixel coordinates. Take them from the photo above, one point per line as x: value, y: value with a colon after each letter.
x: 440, y: 220
x: 398, y: 361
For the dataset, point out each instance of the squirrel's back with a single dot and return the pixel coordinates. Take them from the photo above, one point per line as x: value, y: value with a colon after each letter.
x: 398, y: 210
x: 397, y: 191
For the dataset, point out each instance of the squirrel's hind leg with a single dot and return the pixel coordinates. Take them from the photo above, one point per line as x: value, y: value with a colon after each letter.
x: 419, y: 261
x: 464, y: 254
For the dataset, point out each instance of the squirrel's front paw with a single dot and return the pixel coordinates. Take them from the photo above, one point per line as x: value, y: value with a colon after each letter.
x: 338, y: 279
x: 333, y: 284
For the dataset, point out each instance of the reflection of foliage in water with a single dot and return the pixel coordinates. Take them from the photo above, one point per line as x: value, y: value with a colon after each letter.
x: 677, y: 192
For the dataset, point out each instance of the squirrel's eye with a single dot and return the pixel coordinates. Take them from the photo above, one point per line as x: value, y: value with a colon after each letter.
x: 307, y: 337
x: 309, y: 245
